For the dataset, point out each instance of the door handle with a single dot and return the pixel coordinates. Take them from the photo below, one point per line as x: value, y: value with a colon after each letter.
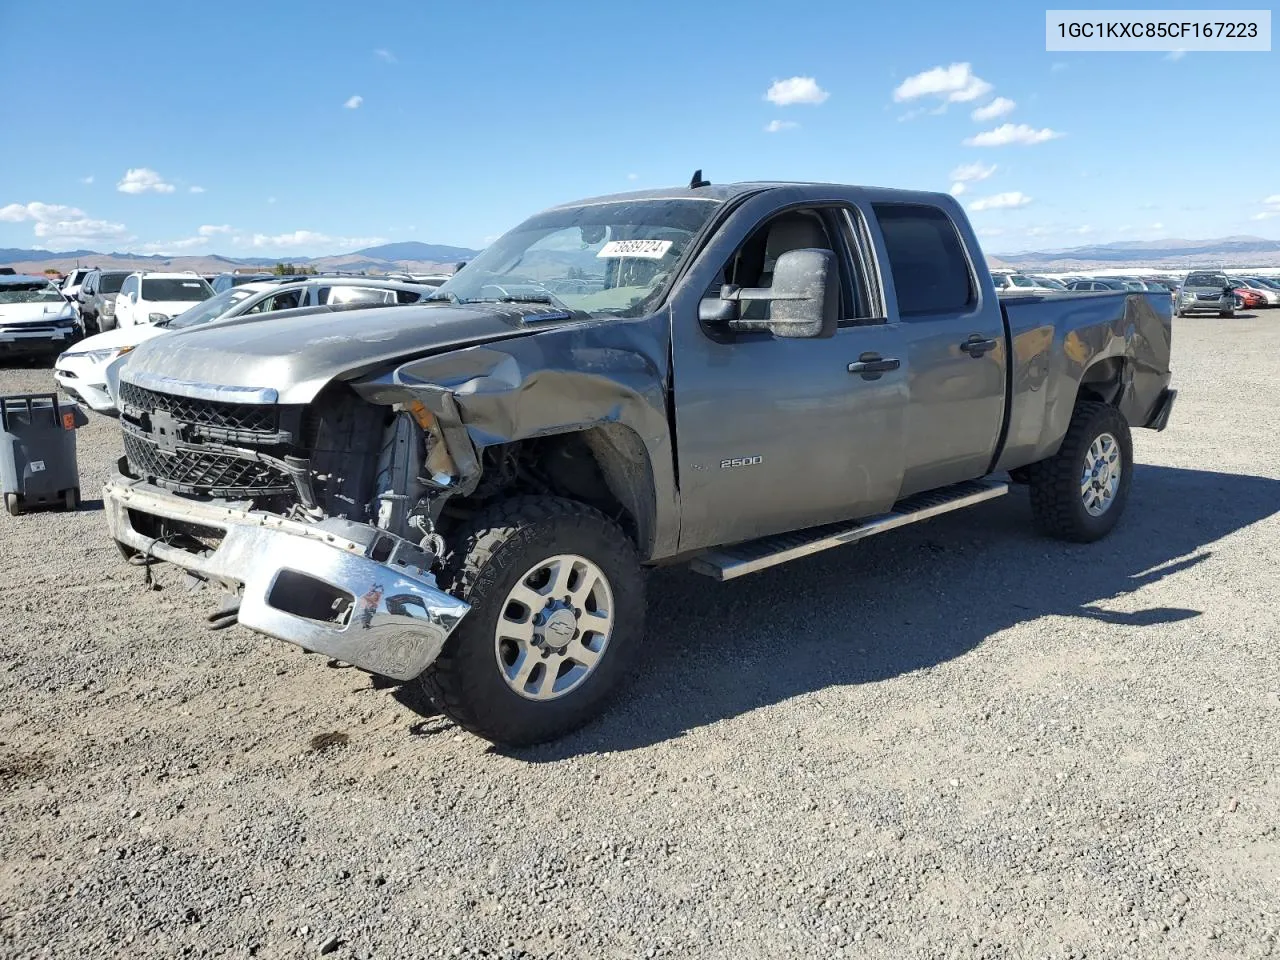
x: 976, y: 346
x: 871, y: 365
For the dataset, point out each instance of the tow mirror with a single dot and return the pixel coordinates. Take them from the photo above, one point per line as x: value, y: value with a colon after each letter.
x: 804, y: 298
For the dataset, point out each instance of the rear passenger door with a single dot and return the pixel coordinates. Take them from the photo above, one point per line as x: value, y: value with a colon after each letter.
x: 955, y: 347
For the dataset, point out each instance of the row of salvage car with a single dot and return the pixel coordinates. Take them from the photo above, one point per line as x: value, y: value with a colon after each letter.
x: 81, y: 370
x: 1209, y: 290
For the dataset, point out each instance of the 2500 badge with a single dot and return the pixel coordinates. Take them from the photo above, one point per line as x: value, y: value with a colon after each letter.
x: 740, y: 462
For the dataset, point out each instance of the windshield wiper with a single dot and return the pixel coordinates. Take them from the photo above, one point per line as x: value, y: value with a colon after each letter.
x: 524, y: 298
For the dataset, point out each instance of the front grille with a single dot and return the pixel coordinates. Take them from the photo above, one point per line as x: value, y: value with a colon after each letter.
x: 191, y: 470
x: 246, y: 422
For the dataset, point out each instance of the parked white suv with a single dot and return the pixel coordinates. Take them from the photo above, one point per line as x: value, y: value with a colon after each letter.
x: 157, y: 297
x: 71, y: 285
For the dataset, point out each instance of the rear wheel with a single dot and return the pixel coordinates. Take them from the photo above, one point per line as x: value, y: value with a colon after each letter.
x: 71, y: 498
x: 1079, y: 493
x: 13, y: 504
x: 557, y: 613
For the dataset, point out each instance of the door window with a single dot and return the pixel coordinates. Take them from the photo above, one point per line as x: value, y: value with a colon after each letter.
x: 285, y: 300
x: 753, y: 263
x: 931, y: 272
x: 360, y: 295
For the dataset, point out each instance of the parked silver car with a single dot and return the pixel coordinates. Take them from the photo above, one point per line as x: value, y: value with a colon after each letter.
x: 1204, y: 290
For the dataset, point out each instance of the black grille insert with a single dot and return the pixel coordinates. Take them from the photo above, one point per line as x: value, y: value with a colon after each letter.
x: 248, y: 422
x: 188, y: 469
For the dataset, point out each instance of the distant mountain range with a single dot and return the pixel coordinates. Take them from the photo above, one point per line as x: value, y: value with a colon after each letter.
x: 410, y: 255
x: 418, y: 257
x: 1224, y: 252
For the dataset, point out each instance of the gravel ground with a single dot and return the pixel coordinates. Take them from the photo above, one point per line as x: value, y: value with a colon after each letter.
x: 958, y: 740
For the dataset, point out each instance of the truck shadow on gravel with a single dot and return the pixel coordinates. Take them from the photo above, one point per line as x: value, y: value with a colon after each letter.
x: 905, y: 601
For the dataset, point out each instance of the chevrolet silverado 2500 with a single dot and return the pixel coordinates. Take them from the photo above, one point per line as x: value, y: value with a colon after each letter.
x: 463, y: 494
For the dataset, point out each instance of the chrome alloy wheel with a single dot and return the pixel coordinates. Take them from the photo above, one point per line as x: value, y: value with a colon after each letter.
x: 554, y: 627
x: 1100, y: 479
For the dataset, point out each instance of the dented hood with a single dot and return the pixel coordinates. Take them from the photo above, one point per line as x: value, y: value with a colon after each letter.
x: 297, y: 355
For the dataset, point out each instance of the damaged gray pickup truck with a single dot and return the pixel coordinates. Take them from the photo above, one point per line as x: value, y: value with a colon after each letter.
x: 463, y: 494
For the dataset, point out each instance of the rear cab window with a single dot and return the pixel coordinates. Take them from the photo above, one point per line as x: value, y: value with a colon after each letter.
x: 928, y: 261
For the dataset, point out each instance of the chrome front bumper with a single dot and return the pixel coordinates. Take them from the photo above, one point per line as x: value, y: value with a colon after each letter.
x: 315, y: 586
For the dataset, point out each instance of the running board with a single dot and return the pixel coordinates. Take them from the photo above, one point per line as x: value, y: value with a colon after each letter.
x: 725, y: 563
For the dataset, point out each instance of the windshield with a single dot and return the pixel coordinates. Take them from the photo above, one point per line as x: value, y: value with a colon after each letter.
x: 211, y: 309
x: 1022, y: 281
x: 159, y: 291
x: 1207, y: 280
x: 1269, y: 283
x: 1050, y: 283
x: 30, y: 291
x: 609, y: 259
x: 111, y: 282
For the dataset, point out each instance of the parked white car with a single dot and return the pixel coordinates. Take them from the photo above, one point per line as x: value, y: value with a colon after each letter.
x: 156, y: 297
x: 1020, y: 283
x: 71, y: 284
x: 35, y: 318
x: 81, y: 372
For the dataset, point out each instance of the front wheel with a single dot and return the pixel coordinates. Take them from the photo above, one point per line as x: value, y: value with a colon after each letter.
x: 557, y: 613
x: 1080, y: 492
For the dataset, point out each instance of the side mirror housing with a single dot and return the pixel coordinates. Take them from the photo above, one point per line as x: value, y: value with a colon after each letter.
x: 804, y: 298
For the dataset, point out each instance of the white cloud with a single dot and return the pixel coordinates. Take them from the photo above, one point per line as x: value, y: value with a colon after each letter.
x: 972, y: 172
x: 794, y: 90
x: 87, y: 180
x: 958, y: 188
x: 954, y: 84
x: 271, y: 199
x: 385, y: 55
x: 633, y: 176
x: 40, y: 212
x: 1001, y: 201
x: 996, y: 108
x: 174, y: 246
x: 353, y: 103
x: 309, y: 238
x: 211, y: 230
x: 196, y: 189
x: 1009, y: 133
x: 66, y: 225
x: 1175, y: 55
x: 777, y: 126
x: 1058, y: 67
x: 990, y: 232
x: 1156, y: 226
x: 911, y: 115
x: 1273, y: 200
x: 143, y: 180
x: 1265, y: 215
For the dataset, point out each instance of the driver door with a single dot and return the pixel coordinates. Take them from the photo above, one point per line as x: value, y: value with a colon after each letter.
x: 776, y: 434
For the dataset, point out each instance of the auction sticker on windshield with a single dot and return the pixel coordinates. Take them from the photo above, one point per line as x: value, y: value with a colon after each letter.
x: 645, y: 249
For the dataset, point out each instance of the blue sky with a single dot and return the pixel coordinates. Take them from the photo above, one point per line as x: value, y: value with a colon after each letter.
x: 149, y: 128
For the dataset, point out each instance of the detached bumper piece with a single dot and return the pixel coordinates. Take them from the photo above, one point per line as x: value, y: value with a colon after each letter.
x: 345, y: 590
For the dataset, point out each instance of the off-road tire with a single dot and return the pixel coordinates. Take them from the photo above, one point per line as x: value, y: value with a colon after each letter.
x: 1056, y: 503
x: 490, y: 554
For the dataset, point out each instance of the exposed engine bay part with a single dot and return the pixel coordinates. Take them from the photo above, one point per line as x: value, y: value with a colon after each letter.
x: 398, y: 487
x: 344, y: 589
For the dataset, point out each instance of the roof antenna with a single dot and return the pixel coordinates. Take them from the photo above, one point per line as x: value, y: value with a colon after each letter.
x: 697, y: 181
